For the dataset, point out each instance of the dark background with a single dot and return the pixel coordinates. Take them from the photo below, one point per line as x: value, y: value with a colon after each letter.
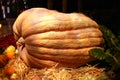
x: 105, y: 12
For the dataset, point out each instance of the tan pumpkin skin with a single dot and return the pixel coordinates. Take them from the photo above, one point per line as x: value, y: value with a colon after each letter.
x: 46, y: 38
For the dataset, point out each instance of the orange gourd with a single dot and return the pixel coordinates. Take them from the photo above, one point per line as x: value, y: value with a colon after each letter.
x: 47, y: 38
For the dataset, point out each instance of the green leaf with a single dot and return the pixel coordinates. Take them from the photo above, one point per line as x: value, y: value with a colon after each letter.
x: 113, y: 60
x: 101, y: 55
x: 110, y: 38
x: 109, y: 57
x: 111, y: 53
x: 98, y: 53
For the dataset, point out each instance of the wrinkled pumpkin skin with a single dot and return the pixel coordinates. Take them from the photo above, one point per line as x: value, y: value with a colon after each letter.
x: 47, y: 38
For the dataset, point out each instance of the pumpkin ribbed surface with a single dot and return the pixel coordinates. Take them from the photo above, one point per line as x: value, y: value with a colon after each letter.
x: 47, y: 37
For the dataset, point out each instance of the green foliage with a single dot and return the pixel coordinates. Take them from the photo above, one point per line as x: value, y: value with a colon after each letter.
x: 111, y: 54
x: 100, y: 54
x: 110, y: 38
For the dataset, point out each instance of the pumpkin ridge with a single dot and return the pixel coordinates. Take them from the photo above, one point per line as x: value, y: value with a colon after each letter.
x: 69, y: 48
x: 67, y: 43
x: 55, y: 30
x: 64, y: 59
x: 67, y: 52
x: 66, y: 34
x: 41, y: 63
x: 58, y: 57
x: 65, y: 38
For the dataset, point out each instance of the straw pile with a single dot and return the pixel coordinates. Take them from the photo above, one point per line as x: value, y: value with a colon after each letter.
x: 83, y: 73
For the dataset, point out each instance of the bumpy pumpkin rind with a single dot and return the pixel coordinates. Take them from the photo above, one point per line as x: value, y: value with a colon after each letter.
x: 50, y: 38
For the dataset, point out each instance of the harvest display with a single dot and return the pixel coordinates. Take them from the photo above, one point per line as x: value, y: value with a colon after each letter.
x: 52, y: 45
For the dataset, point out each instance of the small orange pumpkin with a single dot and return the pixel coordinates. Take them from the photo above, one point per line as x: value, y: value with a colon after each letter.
x: 46, y: 38
x: 9, y: 70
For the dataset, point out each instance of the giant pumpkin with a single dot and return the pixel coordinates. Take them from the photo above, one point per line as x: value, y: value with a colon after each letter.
x: 48, y: 38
